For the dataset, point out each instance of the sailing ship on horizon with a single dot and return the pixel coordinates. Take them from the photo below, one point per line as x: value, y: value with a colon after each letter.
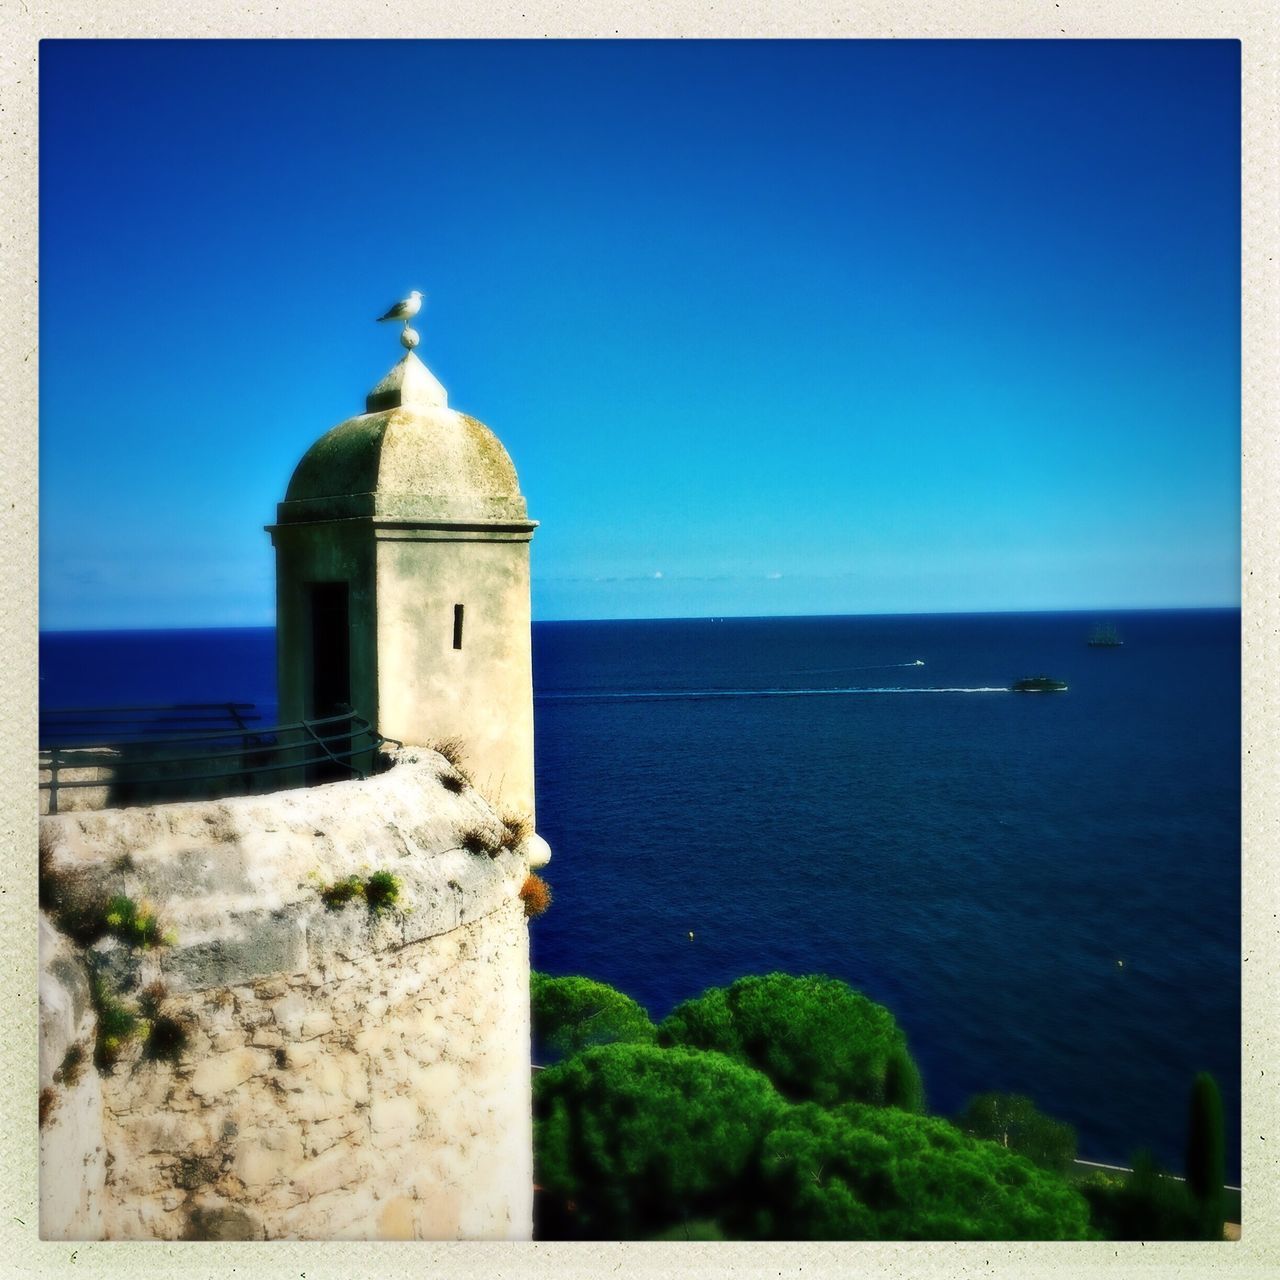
x: 1105, y: 636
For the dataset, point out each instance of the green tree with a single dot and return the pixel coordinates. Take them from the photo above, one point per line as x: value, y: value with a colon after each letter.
x: 571, y: 1014
x: 1014, y: 1122
x: 815, y: 1037
x: 639, y: 1139
x: 1146, y: 1205
x: 859, y: 1172
x: 1206, y: 1157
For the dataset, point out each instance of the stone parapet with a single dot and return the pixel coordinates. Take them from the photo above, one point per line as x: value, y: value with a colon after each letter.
x: 301, y: 1069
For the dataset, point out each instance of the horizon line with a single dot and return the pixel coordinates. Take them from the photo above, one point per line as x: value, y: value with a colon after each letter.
x: 718, y: 617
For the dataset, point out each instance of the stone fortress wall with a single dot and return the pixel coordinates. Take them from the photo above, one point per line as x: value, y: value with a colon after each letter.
x: 299, y: 1070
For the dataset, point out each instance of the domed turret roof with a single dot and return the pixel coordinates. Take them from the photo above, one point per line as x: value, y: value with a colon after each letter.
x: 409, y: 456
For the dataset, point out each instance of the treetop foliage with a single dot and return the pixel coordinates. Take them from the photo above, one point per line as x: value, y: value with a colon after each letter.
x: 865, y: 1172
x: 641, y: 1139
x: 572, y: 1014
x: 785, y: 1107
x: 815, y: 1037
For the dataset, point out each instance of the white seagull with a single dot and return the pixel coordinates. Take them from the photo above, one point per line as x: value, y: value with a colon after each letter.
x: 405, y: 309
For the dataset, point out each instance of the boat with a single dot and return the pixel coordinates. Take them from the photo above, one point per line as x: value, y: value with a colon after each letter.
x: 1039, y: 684
x: 1105, y: 637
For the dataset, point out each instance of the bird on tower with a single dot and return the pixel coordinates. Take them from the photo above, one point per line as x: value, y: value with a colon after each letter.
x: 405, y: 309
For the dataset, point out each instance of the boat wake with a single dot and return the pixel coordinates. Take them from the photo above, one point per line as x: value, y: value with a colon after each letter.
x: 875, y: 666
x: 693, y: 695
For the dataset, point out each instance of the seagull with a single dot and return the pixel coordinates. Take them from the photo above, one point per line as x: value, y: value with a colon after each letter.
x: 405, y: 309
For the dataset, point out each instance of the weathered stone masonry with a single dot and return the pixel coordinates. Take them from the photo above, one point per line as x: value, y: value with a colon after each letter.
x: 342, y: 1074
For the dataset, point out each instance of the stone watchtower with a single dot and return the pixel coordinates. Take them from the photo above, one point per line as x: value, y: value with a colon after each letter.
x: 402, y: 582
x: 299, y: 1063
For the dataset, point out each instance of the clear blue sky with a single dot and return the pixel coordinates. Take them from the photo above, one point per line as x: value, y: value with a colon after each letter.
x: 767, y: 327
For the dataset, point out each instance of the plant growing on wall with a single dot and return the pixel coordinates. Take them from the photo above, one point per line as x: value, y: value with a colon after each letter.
x: 457, y: 779
x: 516, y: 829
x: 535, y: 893
x: 452, y: 750
x: 379, y: 892
x: 482, y: 840
x: 135, y: 923
x: 341, y: 892
x: 68, y: 1072
x: 117, y: 1022
x: 165, y: 1037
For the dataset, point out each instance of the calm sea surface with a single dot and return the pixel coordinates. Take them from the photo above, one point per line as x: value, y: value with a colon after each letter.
x: 1045, y: 889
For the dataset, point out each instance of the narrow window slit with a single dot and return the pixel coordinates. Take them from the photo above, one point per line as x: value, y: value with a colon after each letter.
x: 457, y: 626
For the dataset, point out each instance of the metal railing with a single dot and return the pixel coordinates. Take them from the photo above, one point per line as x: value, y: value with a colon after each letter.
x: 142, y: 766
x: 63, y: 725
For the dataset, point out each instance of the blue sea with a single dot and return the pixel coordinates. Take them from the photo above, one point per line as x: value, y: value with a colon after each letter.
x: 1044, y: 888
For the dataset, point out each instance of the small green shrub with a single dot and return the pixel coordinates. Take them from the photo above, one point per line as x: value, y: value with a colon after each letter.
x: 118, y: 1023
x: 134, y: 923
x: 815, y: 1037
x: 48, y: 1103
x: 1014, y: 1122
x: 453, y: 782
x: 381, y: 891
x: 86, y: 913
x: 572, y: 1014
x: 348, y: 889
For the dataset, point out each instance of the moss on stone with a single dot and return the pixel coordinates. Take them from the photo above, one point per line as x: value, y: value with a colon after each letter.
x: 117, y: 1023
x: 381, y: 891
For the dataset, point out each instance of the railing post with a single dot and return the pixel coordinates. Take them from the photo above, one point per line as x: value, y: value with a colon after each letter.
x: 53, y: 780
x: 306, y: 724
